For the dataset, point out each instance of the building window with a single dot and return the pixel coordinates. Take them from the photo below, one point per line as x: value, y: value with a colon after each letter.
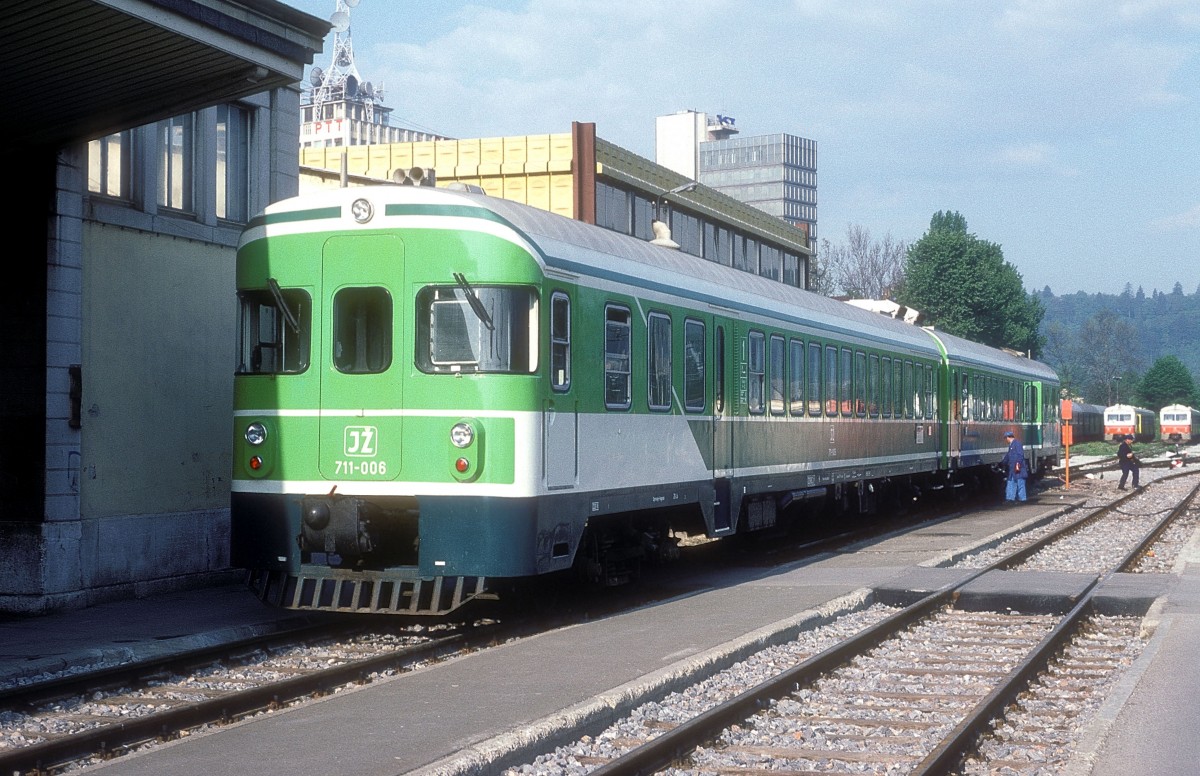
x: 233, y: 163
x: 612, y: 208
x: 109, y: 165
x: 176, y: 153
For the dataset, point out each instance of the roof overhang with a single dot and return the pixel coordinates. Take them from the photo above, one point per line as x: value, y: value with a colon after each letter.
x: 81, y: 69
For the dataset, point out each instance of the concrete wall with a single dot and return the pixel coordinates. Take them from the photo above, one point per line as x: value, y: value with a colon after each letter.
x: 136, y: 498
x: 158, y: 344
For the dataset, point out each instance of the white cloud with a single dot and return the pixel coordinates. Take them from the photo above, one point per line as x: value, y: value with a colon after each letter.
x: 1188, y: 219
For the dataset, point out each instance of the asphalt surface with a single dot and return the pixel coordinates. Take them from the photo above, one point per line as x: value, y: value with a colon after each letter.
x: 523, y: 698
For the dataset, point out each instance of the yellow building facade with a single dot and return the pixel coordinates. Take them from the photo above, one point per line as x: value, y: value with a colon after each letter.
x: 579, y: 176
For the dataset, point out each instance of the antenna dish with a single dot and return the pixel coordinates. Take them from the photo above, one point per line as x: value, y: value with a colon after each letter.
x: 351, y: 3
x: 351, y: 86
x: 366, y: 89
x: 340, y: 21
x: 316, y: 76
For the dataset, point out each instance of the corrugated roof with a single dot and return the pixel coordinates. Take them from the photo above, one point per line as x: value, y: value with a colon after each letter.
x: 83, y: 69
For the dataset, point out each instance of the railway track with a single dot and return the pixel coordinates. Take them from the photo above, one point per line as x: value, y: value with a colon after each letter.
x: 918, y: 690
x: 49, y: 725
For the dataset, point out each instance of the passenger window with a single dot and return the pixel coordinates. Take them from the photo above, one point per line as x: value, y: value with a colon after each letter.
x: 617, y: 357
x: 560, y: 341
x: 885, y: 386
x: 796, y: 381
x: 756, y: 376
x: 694, y: 397
x: 860, y: 383
x: 846, y: 382
x: 873, y: 387
x: 814, y: 379
x: 658, y: 361
x: 777, y: 374
x: 831, y: 381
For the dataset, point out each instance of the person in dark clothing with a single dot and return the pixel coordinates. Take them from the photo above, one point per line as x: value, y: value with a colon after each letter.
x: 1129, y: 462
x: 1014, y: 463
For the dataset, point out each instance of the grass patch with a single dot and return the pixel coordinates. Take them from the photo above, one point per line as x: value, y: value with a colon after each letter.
x: 1143, y: 449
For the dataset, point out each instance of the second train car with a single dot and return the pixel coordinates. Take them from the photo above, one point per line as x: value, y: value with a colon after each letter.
x: 1121, y: 420
x: 438, y: 391
x: 1177, y: 423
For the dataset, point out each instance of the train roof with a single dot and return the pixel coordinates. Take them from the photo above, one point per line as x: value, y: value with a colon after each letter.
x: 1126, y: 408
x: 576, y: 248
x: 965, y: 351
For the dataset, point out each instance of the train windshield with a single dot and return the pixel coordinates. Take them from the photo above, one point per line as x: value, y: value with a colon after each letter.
x: 274, y: 330
x: 467, y: 328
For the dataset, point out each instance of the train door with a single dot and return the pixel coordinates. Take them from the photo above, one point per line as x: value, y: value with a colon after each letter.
x: 560, y: 416
x: 1033, y: 414
x: 361, y: 293
x: 722, y: 436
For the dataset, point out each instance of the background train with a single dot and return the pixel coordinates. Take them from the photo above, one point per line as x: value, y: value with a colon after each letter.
x: 1087, y: 423
x: 1177, y: 423
x: 1122, y: 419
x: 440, y: 391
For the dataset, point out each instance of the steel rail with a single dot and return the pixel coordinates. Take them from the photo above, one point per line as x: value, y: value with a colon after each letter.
x: 102, y: 740
x: 676, y: 743
x: 954, y: 748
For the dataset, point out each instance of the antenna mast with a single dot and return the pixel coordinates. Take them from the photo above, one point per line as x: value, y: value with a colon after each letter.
x: 341, y: 81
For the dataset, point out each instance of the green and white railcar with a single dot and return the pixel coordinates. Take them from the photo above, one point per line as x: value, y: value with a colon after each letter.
x: 990, y: 391
x: 437, y: 390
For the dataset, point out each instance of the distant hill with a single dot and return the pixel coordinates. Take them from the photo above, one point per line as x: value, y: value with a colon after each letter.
x: 1167, y: 324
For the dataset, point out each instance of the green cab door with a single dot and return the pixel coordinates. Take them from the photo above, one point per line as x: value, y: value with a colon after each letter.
x: 361, y: 424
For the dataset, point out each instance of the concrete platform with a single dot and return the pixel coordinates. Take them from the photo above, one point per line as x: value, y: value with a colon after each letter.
x: 524, y: 698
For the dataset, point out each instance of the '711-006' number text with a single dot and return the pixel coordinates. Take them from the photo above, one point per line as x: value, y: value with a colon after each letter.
x: 365, y: 468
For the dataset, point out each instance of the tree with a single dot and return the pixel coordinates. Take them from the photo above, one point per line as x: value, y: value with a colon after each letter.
x: 1104, y: 360
x: 1167, y: 382
x: 820, y: 278
x: 963, y: 285
x: 864, y: 268
x: 1060, y: 352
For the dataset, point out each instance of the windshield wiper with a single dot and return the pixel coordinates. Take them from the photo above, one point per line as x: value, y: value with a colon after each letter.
x: 476, y: 305
x: 281, y: 303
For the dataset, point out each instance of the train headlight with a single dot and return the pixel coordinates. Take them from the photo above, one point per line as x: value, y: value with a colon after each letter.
x: 462, y: 435
x: 256, y: 434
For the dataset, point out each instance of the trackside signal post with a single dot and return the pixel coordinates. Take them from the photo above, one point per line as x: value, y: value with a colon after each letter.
x: 1067, y: 438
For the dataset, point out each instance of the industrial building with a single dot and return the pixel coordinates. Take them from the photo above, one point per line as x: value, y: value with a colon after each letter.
x: 776, y: 173
x: 582, y: 176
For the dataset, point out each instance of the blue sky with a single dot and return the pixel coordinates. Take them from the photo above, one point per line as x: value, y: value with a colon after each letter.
x: 1066, y: 131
